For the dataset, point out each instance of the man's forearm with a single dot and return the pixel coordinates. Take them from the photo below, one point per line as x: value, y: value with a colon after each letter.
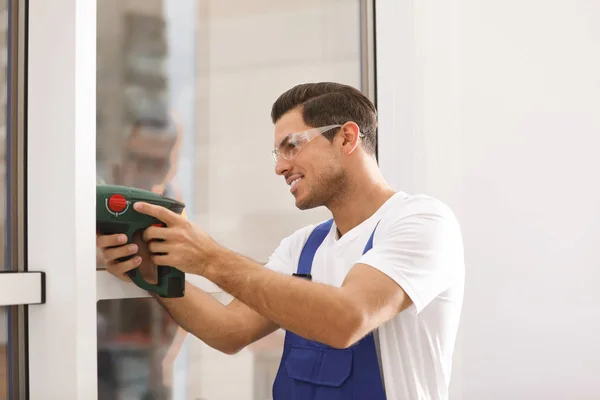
x: 312, y: 310
x: 206, y: 318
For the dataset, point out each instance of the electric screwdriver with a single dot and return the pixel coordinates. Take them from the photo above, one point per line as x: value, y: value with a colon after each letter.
x: 115, y: 214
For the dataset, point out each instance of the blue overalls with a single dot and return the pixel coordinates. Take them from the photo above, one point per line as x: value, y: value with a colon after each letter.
x: 311, y: 370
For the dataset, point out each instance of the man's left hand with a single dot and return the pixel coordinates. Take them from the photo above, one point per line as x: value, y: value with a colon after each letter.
x: 179, y: 244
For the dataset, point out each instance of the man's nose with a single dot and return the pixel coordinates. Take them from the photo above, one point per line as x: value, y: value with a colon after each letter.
x: 281, y: 166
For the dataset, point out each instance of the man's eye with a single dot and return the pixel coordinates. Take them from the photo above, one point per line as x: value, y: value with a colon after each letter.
x: 290, y: 145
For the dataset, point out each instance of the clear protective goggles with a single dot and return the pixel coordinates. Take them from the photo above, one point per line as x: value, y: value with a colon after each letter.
x: 294, y: 142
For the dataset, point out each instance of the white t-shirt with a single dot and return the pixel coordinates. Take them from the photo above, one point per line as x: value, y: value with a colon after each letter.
x: 418, y: 243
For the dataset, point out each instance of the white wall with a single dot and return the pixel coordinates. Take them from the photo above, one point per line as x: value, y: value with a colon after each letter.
x: 506, y: 110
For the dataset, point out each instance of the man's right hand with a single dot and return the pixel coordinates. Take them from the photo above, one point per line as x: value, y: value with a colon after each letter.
x: 114, y: 247
x: 225, y: 328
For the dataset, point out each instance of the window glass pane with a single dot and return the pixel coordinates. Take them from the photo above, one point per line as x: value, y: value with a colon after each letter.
x: 208, y: 72
x: 134, y: 337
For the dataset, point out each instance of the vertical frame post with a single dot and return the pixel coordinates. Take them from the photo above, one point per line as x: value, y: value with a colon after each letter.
x: 61, y: 125
x: 15, y: 250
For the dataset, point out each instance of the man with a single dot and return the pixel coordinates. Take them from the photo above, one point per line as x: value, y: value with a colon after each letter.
x: 370, y: 300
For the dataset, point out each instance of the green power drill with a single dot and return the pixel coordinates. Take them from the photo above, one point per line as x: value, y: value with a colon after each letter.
x: 115, y: 214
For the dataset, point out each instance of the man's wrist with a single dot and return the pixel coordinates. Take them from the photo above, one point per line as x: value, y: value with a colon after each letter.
x: 211, y: 267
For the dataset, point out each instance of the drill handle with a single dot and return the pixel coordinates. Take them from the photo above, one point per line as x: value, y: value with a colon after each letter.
x: 171, y: 282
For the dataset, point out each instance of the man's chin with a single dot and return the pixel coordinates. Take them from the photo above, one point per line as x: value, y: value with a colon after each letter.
x: 302, y: 206
x: 303, y: 203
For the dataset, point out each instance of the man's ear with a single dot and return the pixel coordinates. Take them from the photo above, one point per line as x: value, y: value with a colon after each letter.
x: 349, y: 133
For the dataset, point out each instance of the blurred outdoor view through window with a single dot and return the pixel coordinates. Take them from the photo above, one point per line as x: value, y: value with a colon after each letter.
x: 184, y: 93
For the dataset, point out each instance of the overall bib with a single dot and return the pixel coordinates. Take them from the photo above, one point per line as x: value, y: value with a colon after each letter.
x: 311, y: 370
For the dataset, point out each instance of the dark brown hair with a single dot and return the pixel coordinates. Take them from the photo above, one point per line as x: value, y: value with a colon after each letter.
x: 329, y: 103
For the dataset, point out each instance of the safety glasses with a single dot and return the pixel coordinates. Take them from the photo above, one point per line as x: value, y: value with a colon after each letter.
x: 291, y: 145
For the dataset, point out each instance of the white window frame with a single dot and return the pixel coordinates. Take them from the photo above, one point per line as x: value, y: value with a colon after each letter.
x: 61, y: 227
x: 61, y: 130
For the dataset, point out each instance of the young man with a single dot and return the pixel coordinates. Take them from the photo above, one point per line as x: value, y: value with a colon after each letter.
x: 370, y: 300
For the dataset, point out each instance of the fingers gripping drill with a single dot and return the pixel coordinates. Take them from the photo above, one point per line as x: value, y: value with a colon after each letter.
x: 115, y: 214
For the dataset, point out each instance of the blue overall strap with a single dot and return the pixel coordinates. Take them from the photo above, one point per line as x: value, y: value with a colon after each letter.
x: 310, y: 248
x: 369, y: 244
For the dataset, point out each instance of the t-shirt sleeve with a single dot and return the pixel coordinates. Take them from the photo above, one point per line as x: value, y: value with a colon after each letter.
x: 419, y: 249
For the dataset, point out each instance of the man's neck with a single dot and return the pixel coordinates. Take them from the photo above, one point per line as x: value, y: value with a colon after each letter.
x: 358, y: 203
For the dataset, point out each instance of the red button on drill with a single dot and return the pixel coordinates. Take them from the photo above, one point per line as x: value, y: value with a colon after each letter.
x: 117, y: 202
